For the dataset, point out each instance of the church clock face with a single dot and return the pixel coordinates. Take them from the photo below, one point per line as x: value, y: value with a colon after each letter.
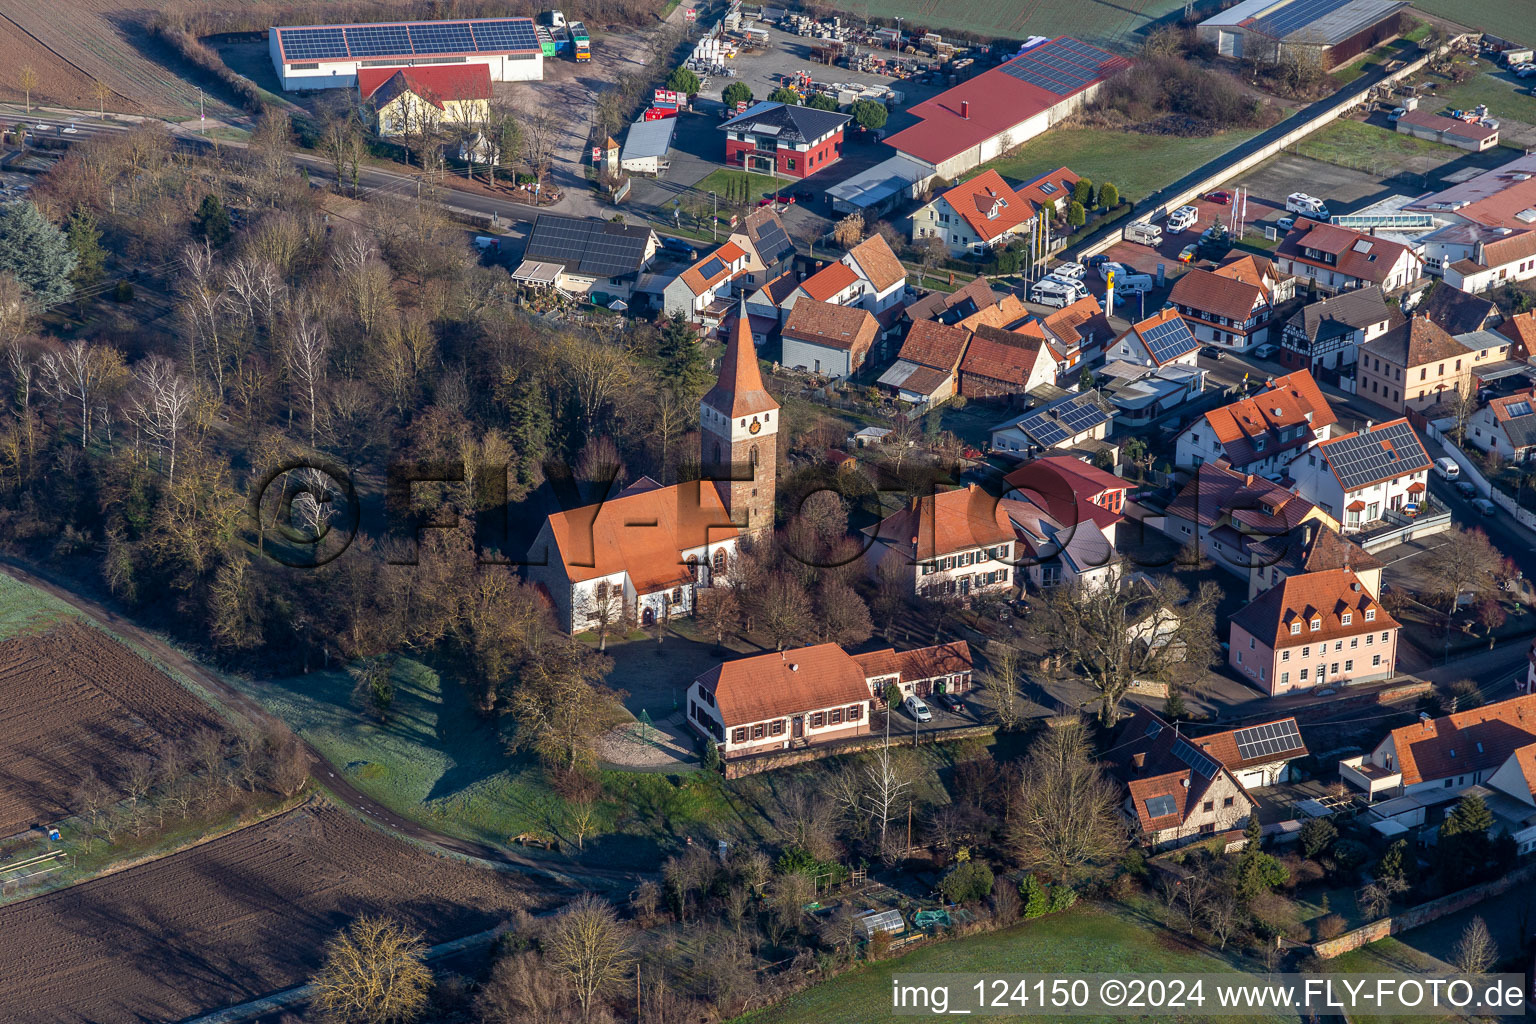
x: 755, y: 427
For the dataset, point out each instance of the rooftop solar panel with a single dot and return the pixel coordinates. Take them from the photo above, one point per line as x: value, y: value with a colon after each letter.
x: 1296, y: 15
x: 1153, y: 728
x: 378, y: 41
x: 1387, y: 451
x: 1161, y: 806
x: 1169, y: 340
x: 441, y: 37
x: 772, y: 241
x: 1267, y: 740
x: 313, y: 43
x: 1196, y: 758
x: 711, y: 267
x: 505, y: 34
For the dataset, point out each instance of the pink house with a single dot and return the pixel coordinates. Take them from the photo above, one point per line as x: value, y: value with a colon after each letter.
x: 1312, y: 630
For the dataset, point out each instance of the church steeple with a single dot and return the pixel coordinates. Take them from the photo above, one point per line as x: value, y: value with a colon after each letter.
x: 738, y: 433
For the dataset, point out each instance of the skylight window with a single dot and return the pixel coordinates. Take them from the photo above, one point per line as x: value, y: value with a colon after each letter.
x: 1362, y: 245
x: 1047, y: 188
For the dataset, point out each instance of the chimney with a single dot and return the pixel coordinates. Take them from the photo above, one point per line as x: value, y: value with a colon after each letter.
x: 1424, y: 719
x: 1308, y: 531
x: 1138, y: 762
x: 794, y: 667
x: 965, y: 109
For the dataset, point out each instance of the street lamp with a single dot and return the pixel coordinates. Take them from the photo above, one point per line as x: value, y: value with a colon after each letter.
x: 714, y: 223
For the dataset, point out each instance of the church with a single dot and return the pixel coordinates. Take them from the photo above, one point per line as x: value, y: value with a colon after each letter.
x: 639, y: 557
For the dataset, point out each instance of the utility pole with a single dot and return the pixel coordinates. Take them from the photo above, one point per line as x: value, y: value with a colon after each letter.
x: 202, y: 118
x: 909, y: 828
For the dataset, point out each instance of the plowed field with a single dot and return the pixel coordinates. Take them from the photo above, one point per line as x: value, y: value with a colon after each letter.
x: 73, y: 701
x: 234, y: 919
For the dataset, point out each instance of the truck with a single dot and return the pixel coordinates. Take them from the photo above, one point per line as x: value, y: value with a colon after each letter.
x: 556, y: 19
x: 1146, y: 234
x: 581, y: 42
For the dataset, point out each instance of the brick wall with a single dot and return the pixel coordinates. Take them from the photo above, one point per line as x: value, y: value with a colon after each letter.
x: 751, y: 764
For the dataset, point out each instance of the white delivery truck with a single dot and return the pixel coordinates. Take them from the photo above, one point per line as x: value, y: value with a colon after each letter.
x: 1144, y: 233
x: 1052, y: 291
x: 1310, y: 206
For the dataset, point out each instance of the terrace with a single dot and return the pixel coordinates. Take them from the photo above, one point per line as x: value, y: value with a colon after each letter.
x: 1369, y: 778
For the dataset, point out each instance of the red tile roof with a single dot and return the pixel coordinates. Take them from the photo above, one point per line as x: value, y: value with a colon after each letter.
x: 1006, y: 312
x: 1008, y: 357
x: 1294, y: 400
x: 1223, y: 747
x: 1324, y: 597
x: 1068, y: 486
x: 828, y: 281
x: 642, y: 532
x: 930, y: 343
x: 989, y: 205
x: 879, y: 263
x: 949, y: 521
x: 1468, y: 741
x: 770, y: 686
x: 727, y: 254
x: 987, y: 105
x: 1520, y: 329
x: 1217, y: 294
x: 922, y: 663
x: 1217, y: 491
x: 1509, y: 249
x: 435, y: 83
x: 1357, y: 255
x: 847, y: 328
x: 1143, y: 758
x: 1418, y: 341
x: 1072, y: 325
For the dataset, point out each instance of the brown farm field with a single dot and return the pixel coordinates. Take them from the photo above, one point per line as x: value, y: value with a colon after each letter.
x: 75, y: 43
x: 75, y: 701
x: 229, y: 921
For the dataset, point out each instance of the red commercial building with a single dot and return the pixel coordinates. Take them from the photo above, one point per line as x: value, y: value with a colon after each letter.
x: 777, y: 138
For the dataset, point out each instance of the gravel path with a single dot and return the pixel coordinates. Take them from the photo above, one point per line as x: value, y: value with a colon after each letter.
x: 668, y: 745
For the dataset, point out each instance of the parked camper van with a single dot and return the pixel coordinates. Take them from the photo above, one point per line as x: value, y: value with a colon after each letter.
x: 1311, y: 206
x: 1182, y: 219
x: 1133, y: 283
x: 1144, y: 233
x: 1053, y: 291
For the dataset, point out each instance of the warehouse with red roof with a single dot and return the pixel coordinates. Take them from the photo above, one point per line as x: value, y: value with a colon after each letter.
x: 984, y: 117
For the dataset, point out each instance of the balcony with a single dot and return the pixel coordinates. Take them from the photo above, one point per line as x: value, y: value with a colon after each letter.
x: 1369, y: 778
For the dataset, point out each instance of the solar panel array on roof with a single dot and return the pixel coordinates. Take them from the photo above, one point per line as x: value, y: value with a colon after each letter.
x: 1295, y: 15
x: 1153, y: 728
x: 1161, y: 806
x: 1055, y: 423
x: 772, y: 241
x: 314, y: 43
x: 1169, y: 339
x: 711, y: 267
x: 1518, y: 408
x: 1365, y: 459
x: 588, y: 246
x: 408, y: 39
x: 1266, y: 740
x: 1196, y: 758
x: 1062, y: 67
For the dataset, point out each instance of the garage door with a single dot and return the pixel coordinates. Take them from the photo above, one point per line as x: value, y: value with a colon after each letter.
x: 1229, y: 44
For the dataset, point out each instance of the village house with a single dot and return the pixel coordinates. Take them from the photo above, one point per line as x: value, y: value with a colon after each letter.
x: 757, y: 252
x: 1228, y: 513
x: 592, y: 255
x: 1073, y: 491
x: 1221, y: 309
x: 950, y: 307
x: 1506, y: 425
x: 869, y: 276
x: 827, y: 339
x: 1001, y: 364
x: 1078, y: 333
x: 1440, y: 758
x: 1358, y: 477
x: 1459, y: 312
x: 702, y: 293
x: 784, y: 139
x: 1061, y: 421
x: 1163, y: 339
x: 814, y: 695
x: 1418, y: 365
x: 638, y: 557
x: 1313, y: 630
x: 1006, y: 314
x: 1472, y: 136
x: 953, y: 544
x: 1339, y: 259
x: 1175, y: 792
x: 1142, y: 394
x: 1327, y: 334
x: 1278, y: 288
x: 762, y: 236
x: 985, y: 213
x: 1506, y: 259
x: 1263, y: 432
x: 1053, y: 553
x: 417, y: 101
x: 927, y: 370
x: 1313, y: 546
x: 1257, y: 755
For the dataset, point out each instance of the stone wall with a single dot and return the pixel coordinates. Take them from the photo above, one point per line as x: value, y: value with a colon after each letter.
x: 751, y: 764
x: 1422, y: 914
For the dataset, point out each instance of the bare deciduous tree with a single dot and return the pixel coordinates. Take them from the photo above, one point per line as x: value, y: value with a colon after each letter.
x: 1006, y: 672
x: 590, y: 947
x: 1066, y: 819
x: 887, y: 777
x: 306, y: 357
x: 161, y: 407
x: 1475, y: 950
x: 375, y: 972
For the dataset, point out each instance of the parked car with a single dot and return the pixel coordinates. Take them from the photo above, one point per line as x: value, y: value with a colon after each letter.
x: 681, y: 247
x: 1285, y: 223
x: 1187, y: 254
x: 1397, y: 113
x: 1265, y: 351
x: 949, y: 702
x: 1071, y: 271
x: 1484, y: 506
x: 1221, y: 197
x: 1212, y: 352
x: 1466, y: 488
x: 805, y: 195
x: 917, y: 709
x: 41, y: 127
x: 70, y: 129
x: 1097, y: 260
x: 1447, y: 469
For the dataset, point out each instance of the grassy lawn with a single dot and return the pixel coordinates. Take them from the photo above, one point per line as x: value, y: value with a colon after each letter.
x: 724, y: 183
x: 1508, y: 19
x: 1506, y: 96
x: 1138, y: 164
x: 1355, y: 144
x: 1090, y: 938
x: 1385, y: 956
x: 25, y: 609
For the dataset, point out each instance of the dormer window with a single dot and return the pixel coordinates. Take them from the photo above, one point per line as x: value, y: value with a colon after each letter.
x: 1370, y: 615
x: 1295, y: 629
x: 1346, y: 618
x: 1317, y: 624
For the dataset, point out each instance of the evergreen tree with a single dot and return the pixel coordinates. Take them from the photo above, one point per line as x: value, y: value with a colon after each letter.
x: 784, y: 95
x: 1077, y: 216
x: 1256, y: 872
x: 1398, y: 862
x: 1109, y: 196
x: 684, y: 80
x: 85, y: 242
x: 212, y: 220
x: 36, y: 253
x: 1036, y: 902
x: 1082, y: 192
x: 684, y: 367
x: 529, y: 415
x: 821, y: 101
x: 1465, y: 846
x: 870, y: 114
x: 1317, y: 836
x: 737, y: 92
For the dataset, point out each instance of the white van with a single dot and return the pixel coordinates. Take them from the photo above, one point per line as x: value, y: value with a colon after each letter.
x: 1146, y: 234
x: 1447, y: 469
x: 1052, y: 291
x: 1182, y: 219
x: 1300, y: 202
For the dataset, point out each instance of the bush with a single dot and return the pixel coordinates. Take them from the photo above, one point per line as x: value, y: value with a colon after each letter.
x: 1201, y: 100
x: 1062, y: 898
x: 123, y: 292
x: 967, y: 882
x: 1330, y: 926
x: 683, y: 80
x: 869, y: 114
x: 1317, y: 836
x: 737, y: 92
x: 1036, y: 902
x: 710, y: 756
